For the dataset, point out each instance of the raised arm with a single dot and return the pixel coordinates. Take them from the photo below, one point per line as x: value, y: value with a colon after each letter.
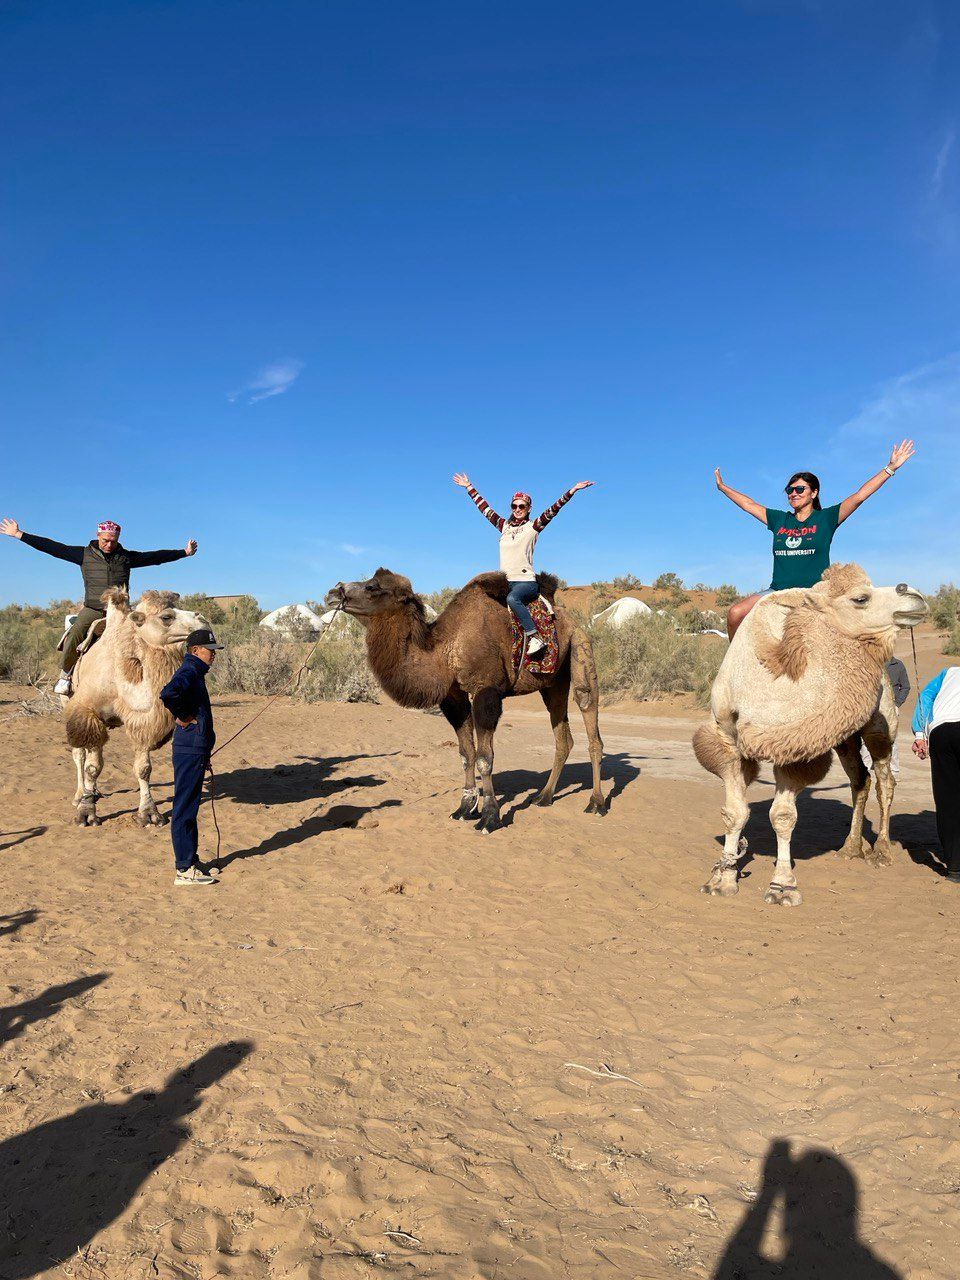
x: 898, y: 456
x: 749, y: 505
x: 141, y: 559
x: 483, y: 506
x: 59, y: 550
x: 545, y: 517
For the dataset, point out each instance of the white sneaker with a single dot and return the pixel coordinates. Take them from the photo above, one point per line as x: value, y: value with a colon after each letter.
x: 194, y: 875
x: 63, y: 686
x: 535, y: 647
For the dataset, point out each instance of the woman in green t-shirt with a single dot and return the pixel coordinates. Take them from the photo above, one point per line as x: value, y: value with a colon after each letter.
x: 802, y: 535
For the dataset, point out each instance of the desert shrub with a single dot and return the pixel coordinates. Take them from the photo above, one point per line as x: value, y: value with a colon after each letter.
x: 953, y: 640
x: 339, y: 671
x: 602, y: 596
x: 945, y: 607
x: 648, y: 657
x: 200, y: 603
x: 262, y: 664
x: 28, y: 640
x: 627, y: 582
x: 440, y: 599
x: 727, y: 594
x: 668, y: 582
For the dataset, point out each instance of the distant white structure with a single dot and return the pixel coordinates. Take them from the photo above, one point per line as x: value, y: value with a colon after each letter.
x: 621, y: 611
x: 279, y: 619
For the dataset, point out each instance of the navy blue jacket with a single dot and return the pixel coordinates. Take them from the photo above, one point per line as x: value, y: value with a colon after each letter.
x: 186, y: 697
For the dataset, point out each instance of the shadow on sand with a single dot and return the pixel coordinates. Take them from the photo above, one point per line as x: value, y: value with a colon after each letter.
x: 336, y: 818
x: 19, y: 837
x: 310, y: 779
x: 18, y: 920
x: 820, y: 1201
x: 63, y: 1181
x: 15, y: 1017
x: 511, y: 783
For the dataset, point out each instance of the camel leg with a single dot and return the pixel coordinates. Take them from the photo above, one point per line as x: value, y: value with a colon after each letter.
x: 735, y: 811
x: 880, y: 745
x: 148, y: 815
x: 87, y: 808
x: 456, y: 708
x: 783, y: 889
x: 79, y: 757
x: 849, y: 754
x: 487, y: 706
x: 586, y: 690
x: 556, y: 698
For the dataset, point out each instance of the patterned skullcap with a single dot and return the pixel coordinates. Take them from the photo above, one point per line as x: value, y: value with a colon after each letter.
x: 520, y: 496
x: 108, y: 526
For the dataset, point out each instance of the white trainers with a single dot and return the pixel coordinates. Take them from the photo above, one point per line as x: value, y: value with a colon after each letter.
x: 535, y: 647
x: 63, y: 686
x: 194, y: 875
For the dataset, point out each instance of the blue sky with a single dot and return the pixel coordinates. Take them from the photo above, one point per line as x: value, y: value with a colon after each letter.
x: 273, y: 271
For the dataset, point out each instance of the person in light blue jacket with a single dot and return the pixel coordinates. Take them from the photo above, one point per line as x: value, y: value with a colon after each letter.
x: 936, y: 727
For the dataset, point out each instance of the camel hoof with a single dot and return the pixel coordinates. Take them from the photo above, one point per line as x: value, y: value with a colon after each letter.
x: 489, y: 821
x: 783, y: 895
x: 849, y: 849
x: 598, y: 804
x: 150, y: 818
x: 883, y: 853
x: 721, y: 889
x: 87, y: 819
x: 467, y: 807
x: 543, y: 800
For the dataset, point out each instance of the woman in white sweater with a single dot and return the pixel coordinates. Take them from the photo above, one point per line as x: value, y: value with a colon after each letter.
x: 518, y: 537
x: 936, y: 727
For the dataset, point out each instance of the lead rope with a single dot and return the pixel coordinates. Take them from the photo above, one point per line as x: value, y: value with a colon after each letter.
x: 291, y: 685
x: 916, y: 675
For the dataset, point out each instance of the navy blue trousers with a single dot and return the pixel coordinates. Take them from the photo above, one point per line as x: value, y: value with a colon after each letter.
x: 188, y: 770
x: 518, y: 597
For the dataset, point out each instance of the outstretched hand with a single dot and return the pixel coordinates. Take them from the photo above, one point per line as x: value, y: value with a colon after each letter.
x: 719, y: 478
x: 901, y: 452
x: 462, y: 479
x: 191, y: 547
x: 9, y: 527
x: 582, y: 484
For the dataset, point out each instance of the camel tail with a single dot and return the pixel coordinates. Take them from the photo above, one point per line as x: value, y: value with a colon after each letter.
x: 715, y: 754
x: 84, y: 729
x: 583, y: 671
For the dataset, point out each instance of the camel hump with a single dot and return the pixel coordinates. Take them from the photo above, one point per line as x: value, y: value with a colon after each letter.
x: 496, y: 585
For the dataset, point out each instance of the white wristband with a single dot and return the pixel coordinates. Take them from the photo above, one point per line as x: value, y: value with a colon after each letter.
x: 890, y: 471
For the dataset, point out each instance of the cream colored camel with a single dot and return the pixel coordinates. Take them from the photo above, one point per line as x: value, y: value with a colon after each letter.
x: 463, y: 664
x: 116, y: 682
x: 804, y: 676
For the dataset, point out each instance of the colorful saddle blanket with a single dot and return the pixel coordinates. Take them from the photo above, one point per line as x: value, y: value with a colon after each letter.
x: 548, y: 661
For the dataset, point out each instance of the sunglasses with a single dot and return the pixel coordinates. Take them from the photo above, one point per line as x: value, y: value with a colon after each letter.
x: 518, y: 506
x: 796, y: 488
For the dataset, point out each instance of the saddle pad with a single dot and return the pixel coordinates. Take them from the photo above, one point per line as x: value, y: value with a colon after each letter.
x: 546, y: 625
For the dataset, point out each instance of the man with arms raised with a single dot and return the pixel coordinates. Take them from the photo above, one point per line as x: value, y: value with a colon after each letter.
x: 104, y: 563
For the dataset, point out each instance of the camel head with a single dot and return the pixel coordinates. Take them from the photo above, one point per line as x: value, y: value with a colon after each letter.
x: 159, y: 622
x: 851, y: 604
x: 384, y: 593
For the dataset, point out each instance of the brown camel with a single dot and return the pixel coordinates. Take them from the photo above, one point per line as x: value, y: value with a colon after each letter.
x: 463, y: 664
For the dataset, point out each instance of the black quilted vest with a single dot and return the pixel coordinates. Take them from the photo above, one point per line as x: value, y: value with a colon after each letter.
x: 101, y: 572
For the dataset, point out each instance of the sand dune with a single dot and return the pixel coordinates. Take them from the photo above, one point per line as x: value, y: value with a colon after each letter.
x: 384, y: 1041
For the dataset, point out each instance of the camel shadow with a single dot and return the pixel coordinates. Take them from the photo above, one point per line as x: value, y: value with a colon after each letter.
x: 578, y: 777
x: 310, y: 779
x: 15, y: 1017
x: 821, y: 1203
x: 22, y: 837
x: 17, y: 921
x: 337, y: 818
x: 66, y: 1180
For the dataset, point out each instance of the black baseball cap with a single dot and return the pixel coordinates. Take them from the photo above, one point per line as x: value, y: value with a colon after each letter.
x: 203, y: 637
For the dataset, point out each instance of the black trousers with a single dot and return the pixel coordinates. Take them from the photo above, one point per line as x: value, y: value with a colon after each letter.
x: 945, y: 775
x: 188, y: 770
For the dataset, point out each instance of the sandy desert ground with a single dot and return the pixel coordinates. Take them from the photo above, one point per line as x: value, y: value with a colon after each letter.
x: 384, y: 1043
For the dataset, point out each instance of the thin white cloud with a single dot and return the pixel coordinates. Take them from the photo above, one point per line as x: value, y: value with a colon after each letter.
x: 923, y: 404
x: 351, y: 550
x: 940, y: 164
x: 273, y: 380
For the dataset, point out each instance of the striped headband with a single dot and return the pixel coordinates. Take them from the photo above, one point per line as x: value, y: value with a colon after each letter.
x: 520, y: 496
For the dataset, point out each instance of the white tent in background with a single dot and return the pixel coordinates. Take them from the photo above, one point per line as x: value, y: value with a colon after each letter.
x: 621, y: 611
x: 280, y: 618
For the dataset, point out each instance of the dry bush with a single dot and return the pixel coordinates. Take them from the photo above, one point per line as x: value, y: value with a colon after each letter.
x: 648, y: 657
x: 262, y: 664
x: 727, y: 594
x: 945, y: 607
x: 339, y: 671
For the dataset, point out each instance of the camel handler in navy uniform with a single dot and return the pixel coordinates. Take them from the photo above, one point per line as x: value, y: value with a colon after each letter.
x: 187, y: 700
x: 104, y: 563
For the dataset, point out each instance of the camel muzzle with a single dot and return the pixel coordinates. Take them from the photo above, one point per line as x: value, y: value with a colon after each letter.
x: 917, y: 607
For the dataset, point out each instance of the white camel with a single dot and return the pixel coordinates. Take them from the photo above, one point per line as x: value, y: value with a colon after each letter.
x: 804, y: 676
x: 116, y: 682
